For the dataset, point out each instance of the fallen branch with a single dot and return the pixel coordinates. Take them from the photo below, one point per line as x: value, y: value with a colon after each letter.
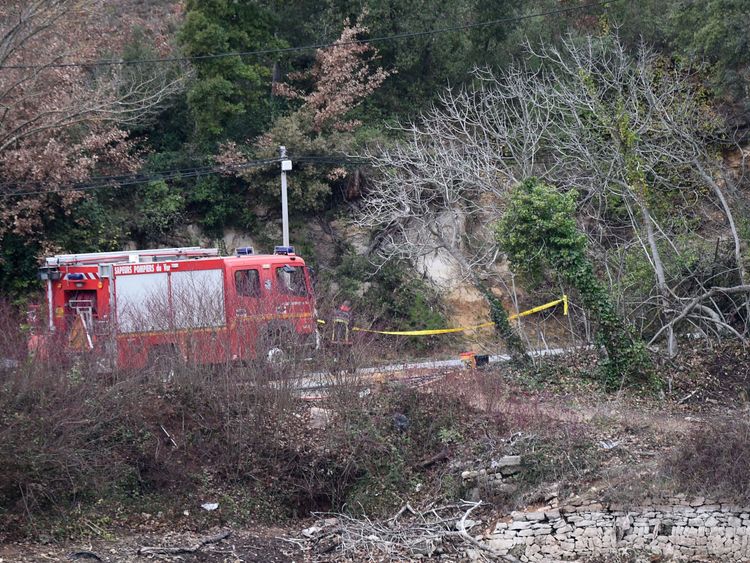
x: 697, y: 301
x: 168, y: 435
x: 686, y: 397
x: 302, y: 544
x: 404, y: 508
x: 422, y: 534
x: 188, y: 549
x: 440, y: 456
x: 85, y: 555
x: 461, y: 526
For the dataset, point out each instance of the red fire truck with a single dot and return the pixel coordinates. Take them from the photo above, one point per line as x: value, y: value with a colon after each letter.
x: 133, y: 306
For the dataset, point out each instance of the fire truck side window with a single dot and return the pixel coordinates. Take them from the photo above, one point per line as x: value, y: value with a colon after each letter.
x: 291, y: 280
x: 247, y: 283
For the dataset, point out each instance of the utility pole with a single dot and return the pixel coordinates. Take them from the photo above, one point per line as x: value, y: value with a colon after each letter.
x: 286, y: 165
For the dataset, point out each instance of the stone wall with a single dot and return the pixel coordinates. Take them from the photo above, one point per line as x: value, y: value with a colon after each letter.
x: 496, y: 479
x: 678, y: 528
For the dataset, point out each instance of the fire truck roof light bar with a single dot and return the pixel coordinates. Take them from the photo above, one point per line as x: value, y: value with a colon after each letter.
x: 244, y: 251
x: 284, y: 250
x: 131, y: 256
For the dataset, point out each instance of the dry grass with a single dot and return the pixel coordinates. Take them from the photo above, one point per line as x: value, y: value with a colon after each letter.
x: 71, y: 435
x: 714, y: 460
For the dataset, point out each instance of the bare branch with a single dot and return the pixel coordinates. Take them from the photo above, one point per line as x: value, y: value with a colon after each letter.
x: 740, y: 289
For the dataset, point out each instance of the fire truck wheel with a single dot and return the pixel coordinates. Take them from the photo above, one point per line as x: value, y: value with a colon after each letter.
x: 278, y: 342
x: 162, y: 361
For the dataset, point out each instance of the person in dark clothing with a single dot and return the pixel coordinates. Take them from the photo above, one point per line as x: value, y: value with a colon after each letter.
x: 342, y: 320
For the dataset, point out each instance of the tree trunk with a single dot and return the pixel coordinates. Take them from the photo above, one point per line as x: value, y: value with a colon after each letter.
x: 499, y: 316
x: 732, y: 227
x: 661, y: 280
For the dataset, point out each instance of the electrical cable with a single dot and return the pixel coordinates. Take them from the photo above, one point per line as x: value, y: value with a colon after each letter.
x: 114, y: 182
x: 382, y: 39
x: 101, y: 182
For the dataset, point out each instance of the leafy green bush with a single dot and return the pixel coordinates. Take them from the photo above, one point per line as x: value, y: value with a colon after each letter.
x: 228, y: 97
x: 217, y: 202
x: 539, y: 232
x: 18, y: 266
x: 159, y: 209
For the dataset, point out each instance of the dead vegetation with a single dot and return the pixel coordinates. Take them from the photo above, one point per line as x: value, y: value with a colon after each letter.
x: 91, y: 455
x: 714, y: 460
x: 443, y: 531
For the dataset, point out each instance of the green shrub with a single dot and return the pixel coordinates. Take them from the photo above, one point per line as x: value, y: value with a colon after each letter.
x: 394, y: 293
x: 159, y: 209
x: 539, y: 232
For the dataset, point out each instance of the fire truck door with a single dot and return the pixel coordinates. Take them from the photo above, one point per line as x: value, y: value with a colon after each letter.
x: 246, y: 310
x: 292, y: 297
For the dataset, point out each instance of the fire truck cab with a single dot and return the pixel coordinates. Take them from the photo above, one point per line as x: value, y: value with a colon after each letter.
x: 130, y: 306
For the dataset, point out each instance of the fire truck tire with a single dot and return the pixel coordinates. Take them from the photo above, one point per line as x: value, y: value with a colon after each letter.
x: 277, y: 343
x: 163, y: 360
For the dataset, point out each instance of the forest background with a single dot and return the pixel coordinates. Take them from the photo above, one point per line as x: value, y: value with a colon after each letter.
x: 509, y: 147
x: 120, y: 125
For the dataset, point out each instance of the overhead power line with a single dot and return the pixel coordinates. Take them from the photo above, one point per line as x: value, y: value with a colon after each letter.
x: 113, y: 182
x: 275, y: 51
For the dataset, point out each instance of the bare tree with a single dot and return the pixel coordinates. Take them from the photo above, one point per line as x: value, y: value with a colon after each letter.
x: 629, y: 131
x: 60, y: 122
x: 437, y: 194
x: 438, y: 190
x: 630, y: 128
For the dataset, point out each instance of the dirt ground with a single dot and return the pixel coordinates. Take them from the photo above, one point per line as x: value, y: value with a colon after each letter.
x: 247, y: 546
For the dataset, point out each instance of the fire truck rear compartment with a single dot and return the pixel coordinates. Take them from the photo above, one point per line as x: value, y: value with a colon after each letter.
x: 82, y: 303
x: 170, y: 301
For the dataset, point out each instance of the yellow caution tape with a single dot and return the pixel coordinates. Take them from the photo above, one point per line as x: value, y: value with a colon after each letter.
x: 549, y: 305
x: 430, y: 332
x: 427, y: 332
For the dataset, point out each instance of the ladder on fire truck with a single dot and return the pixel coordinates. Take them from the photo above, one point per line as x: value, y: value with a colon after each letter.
x: 132, y: 256
x: 81, y: 333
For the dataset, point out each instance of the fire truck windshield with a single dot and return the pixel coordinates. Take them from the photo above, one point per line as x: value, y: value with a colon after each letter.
x: 291, y: 280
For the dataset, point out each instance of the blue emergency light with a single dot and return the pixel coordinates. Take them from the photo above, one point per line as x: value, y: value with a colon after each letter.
x: 284, y: 250
x: 243, y: 251
x: 75, y: 277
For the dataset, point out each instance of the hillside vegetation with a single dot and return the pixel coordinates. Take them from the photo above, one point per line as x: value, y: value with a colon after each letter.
x: 123, y: 126
x: 485, y: 155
